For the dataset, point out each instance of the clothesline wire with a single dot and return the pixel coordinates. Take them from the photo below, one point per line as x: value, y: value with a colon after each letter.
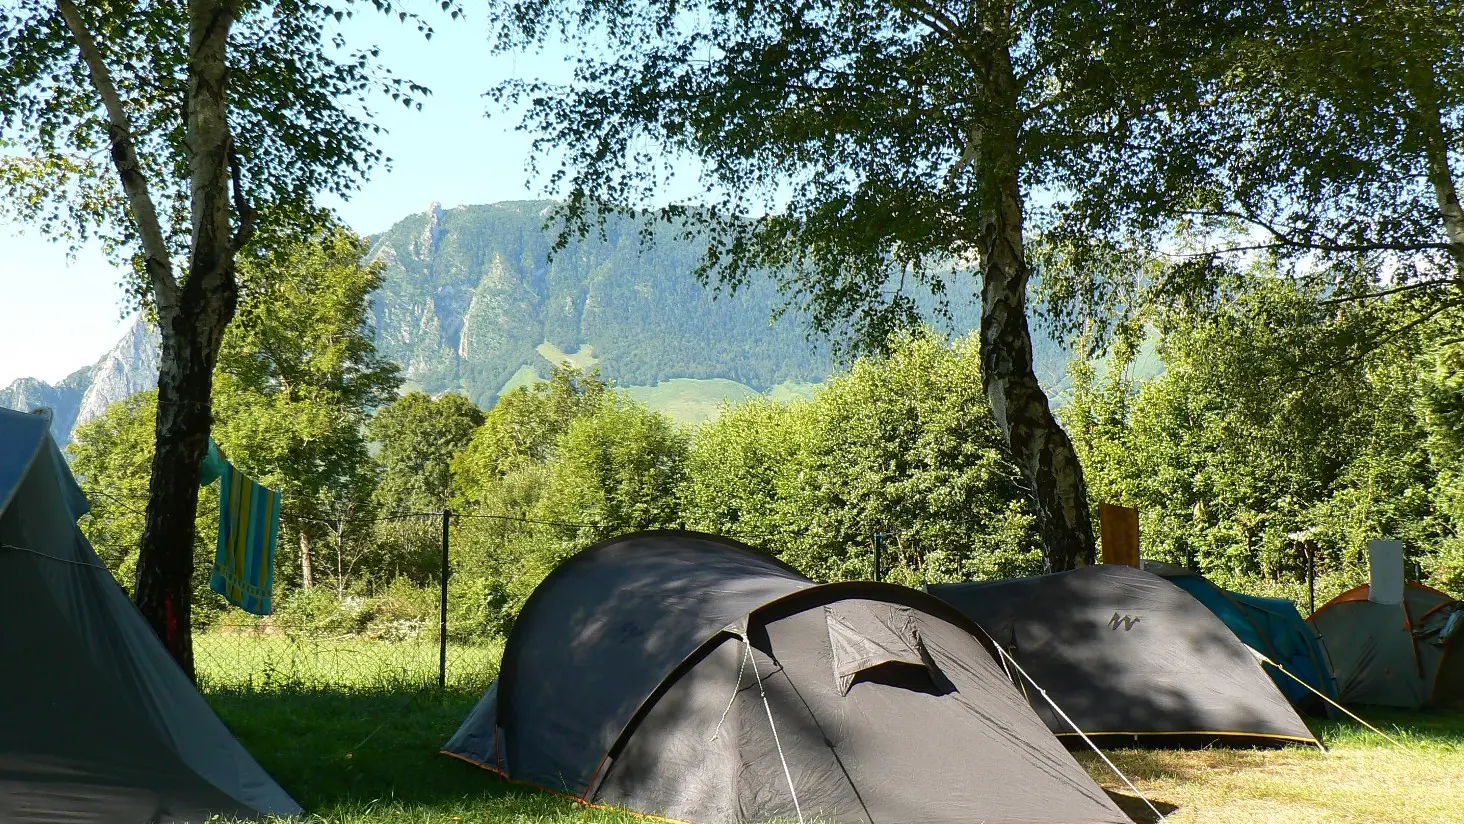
x: 396, y: 516
x: 119, y: 502
x: 520, y: 519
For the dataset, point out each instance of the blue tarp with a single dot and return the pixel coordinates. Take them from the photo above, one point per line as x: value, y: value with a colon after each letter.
x: 1273, y: 627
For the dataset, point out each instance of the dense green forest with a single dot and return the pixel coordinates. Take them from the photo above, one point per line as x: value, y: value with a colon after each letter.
x: 1266, y: 438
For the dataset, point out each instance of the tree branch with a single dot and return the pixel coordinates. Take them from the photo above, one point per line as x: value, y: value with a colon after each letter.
x: 926, y: 14
x: 156, y: 259
x: 1290, y: 241
x: 1376, y: 343
x: 1407, y: 287
x: 245, y: 230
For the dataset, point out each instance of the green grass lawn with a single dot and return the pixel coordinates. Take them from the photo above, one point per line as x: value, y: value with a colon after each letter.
x: 1360, y: 779
x: 314, y: 660
x: 365, y: 751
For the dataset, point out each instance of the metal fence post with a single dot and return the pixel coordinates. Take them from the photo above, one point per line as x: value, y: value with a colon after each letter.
x: 1311, y: 577
x: 442, y: 607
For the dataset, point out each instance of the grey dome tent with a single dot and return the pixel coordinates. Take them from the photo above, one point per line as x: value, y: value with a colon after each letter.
x: 1404, y: 654
x: 97, y: 723
x: 682, y: 675
x: 1129, y: 656
x: 1272, y: 626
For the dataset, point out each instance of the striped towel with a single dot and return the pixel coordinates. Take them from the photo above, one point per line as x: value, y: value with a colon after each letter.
x: 249, y: 528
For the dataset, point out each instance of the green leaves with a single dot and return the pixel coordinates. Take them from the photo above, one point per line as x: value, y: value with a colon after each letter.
x: 418, y: 437
x: 903, y: 445
x: 298, y: 371
x: 1269, y: 436
x: 296, y: 113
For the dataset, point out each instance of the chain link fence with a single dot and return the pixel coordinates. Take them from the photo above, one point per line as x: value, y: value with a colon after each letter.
x: 283, y: 655
x: 398, y: 636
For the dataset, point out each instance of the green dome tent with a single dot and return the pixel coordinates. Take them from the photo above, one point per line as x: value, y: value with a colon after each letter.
x: 1271, y: 626
x: 100, y: 726
x: 687, y: 676
x: 1408, y: 654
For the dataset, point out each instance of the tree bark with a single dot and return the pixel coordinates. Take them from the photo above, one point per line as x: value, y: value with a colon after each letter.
x: 307, y: 568
x: 164, y: 590
x: 192, y: 329
x: 1039, y: 446
x: 1441, y: 178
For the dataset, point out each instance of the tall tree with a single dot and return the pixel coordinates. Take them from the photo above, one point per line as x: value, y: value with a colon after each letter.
x: 206, y: 113
x: 866, y: 148
x: 298, y: 375
x: 419, y: 436
x: 1324, y: 134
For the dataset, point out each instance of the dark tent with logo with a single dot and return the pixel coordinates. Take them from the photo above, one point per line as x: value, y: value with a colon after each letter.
x: 1272, y: 626
x: 688, y: 676
x: 1127, y: 655
x: 1407, y: 654
x: 97, y: 723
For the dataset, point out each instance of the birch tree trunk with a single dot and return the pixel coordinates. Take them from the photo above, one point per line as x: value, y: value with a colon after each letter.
x: 307, y: 566
x: 1441, y: 178
x: 192, y: 316
x: 1039, y: 446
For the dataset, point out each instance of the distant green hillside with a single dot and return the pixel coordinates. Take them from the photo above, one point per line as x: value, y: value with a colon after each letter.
x: 473, y: 304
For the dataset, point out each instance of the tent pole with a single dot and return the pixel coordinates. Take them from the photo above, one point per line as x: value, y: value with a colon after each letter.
x: 1311, y: 578
x: 442, y: 606
x: 878, y: 544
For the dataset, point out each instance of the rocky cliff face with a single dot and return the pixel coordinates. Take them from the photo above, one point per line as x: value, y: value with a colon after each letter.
x: 130, y: 367
x: 63, y: 399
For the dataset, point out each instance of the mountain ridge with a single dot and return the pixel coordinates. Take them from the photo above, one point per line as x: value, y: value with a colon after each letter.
x: 474, y: 302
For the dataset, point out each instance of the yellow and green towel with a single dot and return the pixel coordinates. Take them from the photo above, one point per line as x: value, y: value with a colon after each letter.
x: 249, y: 529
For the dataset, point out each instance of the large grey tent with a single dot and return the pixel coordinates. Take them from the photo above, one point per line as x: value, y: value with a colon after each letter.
x: 97, y: 723
x: 1407, y: 653
x: 1128, y: 655
x: 687, y: 676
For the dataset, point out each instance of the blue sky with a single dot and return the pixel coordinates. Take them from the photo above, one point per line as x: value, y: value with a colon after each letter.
x: 57, y: 315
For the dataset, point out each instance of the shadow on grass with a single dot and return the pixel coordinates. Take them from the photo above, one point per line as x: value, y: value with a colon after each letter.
x: 335, y: 750
x: 1135, y: 808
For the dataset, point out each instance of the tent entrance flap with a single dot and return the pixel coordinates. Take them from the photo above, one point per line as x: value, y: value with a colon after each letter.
x: 865, y: 636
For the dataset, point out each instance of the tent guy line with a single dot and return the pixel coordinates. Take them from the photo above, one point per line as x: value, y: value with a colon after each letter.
x: 777, y: 744
x: 1006, y: 657
x: 58, y: 559
x: 1264, y: 660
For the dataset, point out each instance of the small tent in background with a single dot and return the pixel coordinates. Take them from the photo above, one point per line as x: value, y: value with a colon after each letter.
x: 1392, y: 643
x: 1272, y: 626
x: 97, y: 723
x: 688, y: 676
x: 1127, y: 654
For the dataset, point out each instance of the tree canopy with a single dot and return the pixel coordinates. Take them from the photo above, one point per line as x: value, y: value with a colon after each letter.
x: 1243, y: 464
x: 865, y: 151
x: 168, y: 129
